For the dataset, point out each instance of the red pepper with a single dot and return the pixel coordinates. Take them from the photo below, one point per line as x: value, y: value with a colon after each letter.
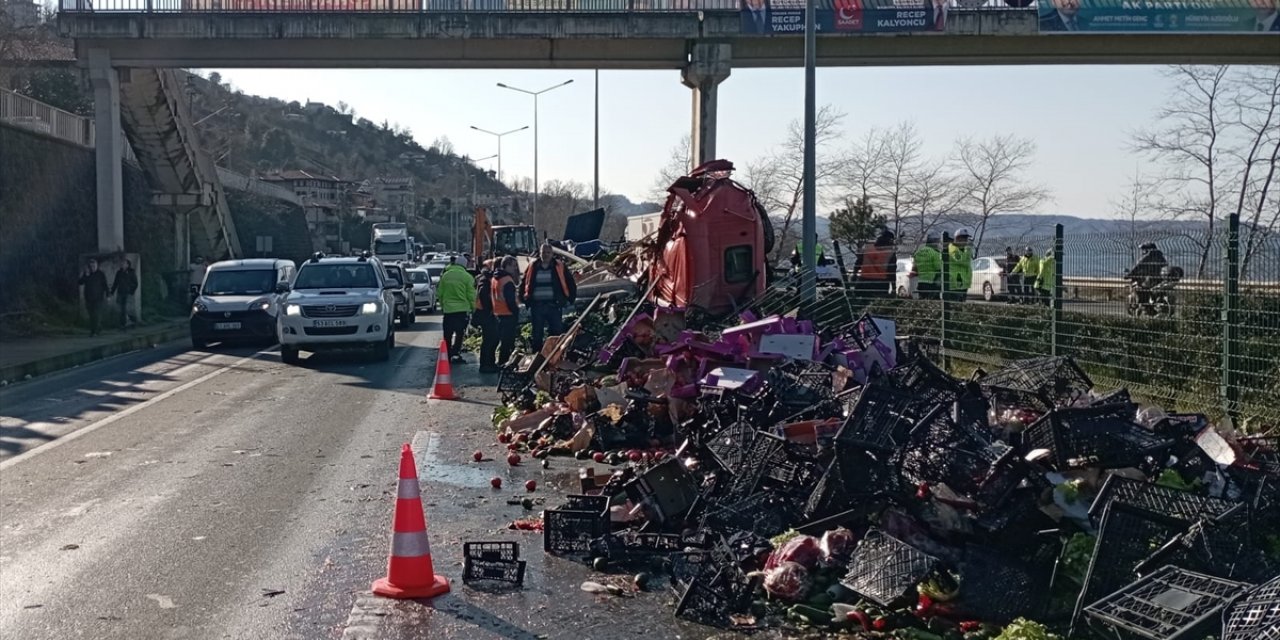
x: 861, y: 617
x: 922, y: 491
x: 970, y: 625
x: 880, y: 624
x: 924, y: 607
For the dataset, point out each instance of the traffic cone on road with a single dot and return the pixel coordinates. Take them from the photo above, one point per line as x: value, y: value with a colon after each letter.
x: 410, y: 572
x: 444, y: 376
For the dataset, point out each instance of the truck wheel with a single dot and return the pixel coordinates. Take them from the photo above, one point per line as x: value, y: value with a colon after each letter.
x: 382, y: 350
x: 289, y: 354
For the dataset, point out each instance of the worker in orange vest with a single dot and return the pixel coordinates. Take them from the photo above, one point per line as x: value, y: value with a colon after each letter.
x: 506, y: 310
x: 878, y: 267
x: 547, y: 289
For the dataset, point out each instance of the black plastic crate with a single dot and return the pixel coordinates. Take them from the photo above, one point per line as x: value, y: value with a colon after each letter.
x: 495, y: 561
x: 630, y: 546
x: 710, y: 601
x: 850, y: 478
x: 1158, y: 501
x: 997, y: 588
x: 1256, y: 615
x: 491, y: 551
x: 1263, y: 452
x: 1230, y: 547
x: 1126, y: 538
x: 1100, y: 436
x: 886, y: 570
x: 880, y: 418
x: 730, y: 444
x: 515, y: 378
x: 925, y: 380
x: 763, y: 513
x: 497, y: 571
x: 570, y: 528
x: 1053, y: 378
x: 1168, y: 604
x: 961, y: 455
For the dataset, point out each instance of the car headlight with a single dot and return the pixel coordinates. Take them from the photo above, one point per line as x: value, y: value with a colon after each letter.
x: 369, y: 308
x: 199, y: 306
x: 293, y: 310
x: 260, y: 305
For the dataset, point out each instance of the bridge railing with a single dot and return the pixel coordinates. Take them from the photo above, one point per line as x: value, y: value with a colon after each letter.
x: 1215, y: 349
x: 34, y: 115
x: 487, y: 6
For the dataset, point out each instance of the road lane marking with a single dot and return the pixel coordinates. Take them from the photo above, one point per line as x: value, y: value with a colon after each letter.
x: 123, y: 414
x: 366, y: 617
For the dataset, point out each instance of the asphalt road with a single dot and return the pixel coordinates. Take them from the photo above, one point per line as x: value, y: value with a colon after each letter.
x: 176, y: 494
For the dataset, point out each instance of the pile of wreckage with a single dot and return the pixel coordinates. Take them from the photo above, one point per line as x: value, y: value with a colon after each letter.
x: 785, y: 473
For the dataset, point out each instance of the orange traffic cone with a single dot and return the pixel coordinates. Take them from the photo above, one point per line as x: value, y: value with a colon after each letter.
x: 410, y: 573
x: 444, y: 376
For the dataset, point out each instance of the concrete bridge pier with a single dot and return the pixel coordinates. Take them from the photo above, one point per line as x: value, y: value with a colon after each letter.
x: 108, y: 149
x: 708, y: 66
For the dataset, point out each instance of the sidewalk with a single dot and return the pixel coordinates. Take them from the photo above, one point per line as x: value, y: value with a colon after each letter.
x: 31, y: 357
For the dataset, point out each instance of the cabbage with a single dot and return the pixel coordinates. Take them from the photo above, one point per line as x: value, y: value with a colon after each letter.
x: 789, y: 581
x: 803, y: 550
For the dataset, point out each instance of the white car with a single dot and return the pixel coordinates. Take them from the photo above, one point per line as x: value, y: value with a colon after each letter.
x: 239, y: 300
x: 989, y: 279
x: 435, y: 270
x: 338, y: 303
x: 905, y: 287
x: 424, y: 290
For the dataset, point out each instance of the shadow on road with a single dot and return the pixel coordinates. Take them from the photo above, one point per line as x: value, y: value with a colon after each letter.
x: 469, y: 613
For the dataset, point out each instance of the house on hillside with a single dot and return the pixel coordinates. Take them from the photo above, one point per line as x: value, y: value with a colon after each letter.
x: 394, y: 196
x: 324, y: 197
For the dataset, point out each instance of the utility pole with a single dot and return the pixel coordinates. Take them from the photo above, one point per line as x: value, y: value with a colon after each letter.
x: 596, y: 182
x: 809, y: 228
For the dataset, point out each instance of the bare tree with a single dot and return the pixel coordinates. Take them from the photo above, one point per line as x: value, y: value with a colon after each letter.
x: 1256, y: 111
x: 862, y: 168
x: 901, y: 162
x: 778, y: 177
x: 934, y: 194
x: 678, y: 164
x: 557, y: 200
x: 991, y: 181
x: 1134, y: 207
x: 1188, y: 143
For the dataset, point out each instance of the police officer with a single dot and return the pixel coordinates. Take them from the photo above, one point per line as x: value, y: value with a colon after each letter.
x: 926, y: 267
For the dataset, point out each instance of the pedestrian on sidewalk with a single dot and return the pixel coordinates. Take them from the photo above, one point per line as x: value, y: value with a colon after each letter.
x: 123, y: 288
x: 457, y: 293
x: 483, y: 318
x: 548, y: 288
x: 506, y: 309
x: 95, y: 294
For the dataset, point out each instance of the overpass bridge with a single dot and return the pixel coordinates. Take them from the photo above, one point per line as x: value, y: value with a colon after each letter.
x: 702, y: 39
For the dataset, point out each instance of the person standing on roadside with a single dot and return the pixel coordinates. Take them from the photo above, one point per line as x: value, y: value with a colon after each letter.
x: 457, y: 293
x: 548, y: 288
x: 1047, y: 279
x: 123, y: 288
x: 878, y: 267
x: 1026, y: 271
x: 95, y: 294
x: 926, y: 266
x: 484, y: 319
x: 506, y: 309
x: 961, y: 265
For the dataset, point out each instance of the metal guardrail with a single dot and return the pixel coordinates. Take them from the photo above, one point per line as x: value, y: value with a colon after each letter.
x: 33, y: 115
x: 485, y: 6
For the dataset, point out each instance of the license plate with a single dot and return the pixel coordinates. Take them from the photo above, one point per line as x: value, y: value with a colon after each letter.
x: 224, y: 326
x: 330, y: 323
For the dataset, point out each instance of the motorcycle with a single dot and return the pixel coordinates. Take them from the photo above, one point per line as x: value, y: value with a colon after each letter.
x: 1160, y: 299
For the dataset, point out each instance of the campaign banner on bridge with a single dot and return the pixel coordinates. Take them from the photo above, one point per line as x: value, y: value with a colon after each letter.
x: 1138, y: 16
x: 787, y: 17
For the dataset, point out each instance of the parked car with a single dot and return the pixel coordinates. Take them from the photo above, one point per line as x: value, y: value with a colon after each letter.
x: 424, y: 290
x: 338, y: 303
x: 239, y: 301
x: 905, y: 287
x: 989, y: 279
x: 406, y: 306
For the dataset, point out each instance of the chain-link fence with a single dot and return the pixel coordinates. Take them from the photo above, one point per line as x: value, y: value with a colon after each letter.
x: 1193, y: 326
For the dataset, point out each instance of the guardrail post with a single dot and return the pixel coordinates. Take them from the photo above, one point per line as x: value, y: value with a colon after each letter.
x: 1230, y: 389
x: 1060, y: 265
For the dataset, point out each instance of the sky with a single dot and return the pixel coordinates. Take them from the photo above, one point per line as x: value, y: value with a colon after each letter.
x: 1079, y: 116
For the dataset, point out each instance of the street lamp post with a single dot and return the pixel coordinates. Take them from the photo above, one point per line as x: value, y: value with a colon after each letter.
x: 535, y: 95
x: 499, y: 137
x: 809, y: 235
x: 596, y: 163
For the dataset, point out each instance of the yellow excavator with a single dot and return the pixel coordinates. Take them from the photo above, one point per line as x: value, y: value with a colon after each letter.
x: 489, y: 240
